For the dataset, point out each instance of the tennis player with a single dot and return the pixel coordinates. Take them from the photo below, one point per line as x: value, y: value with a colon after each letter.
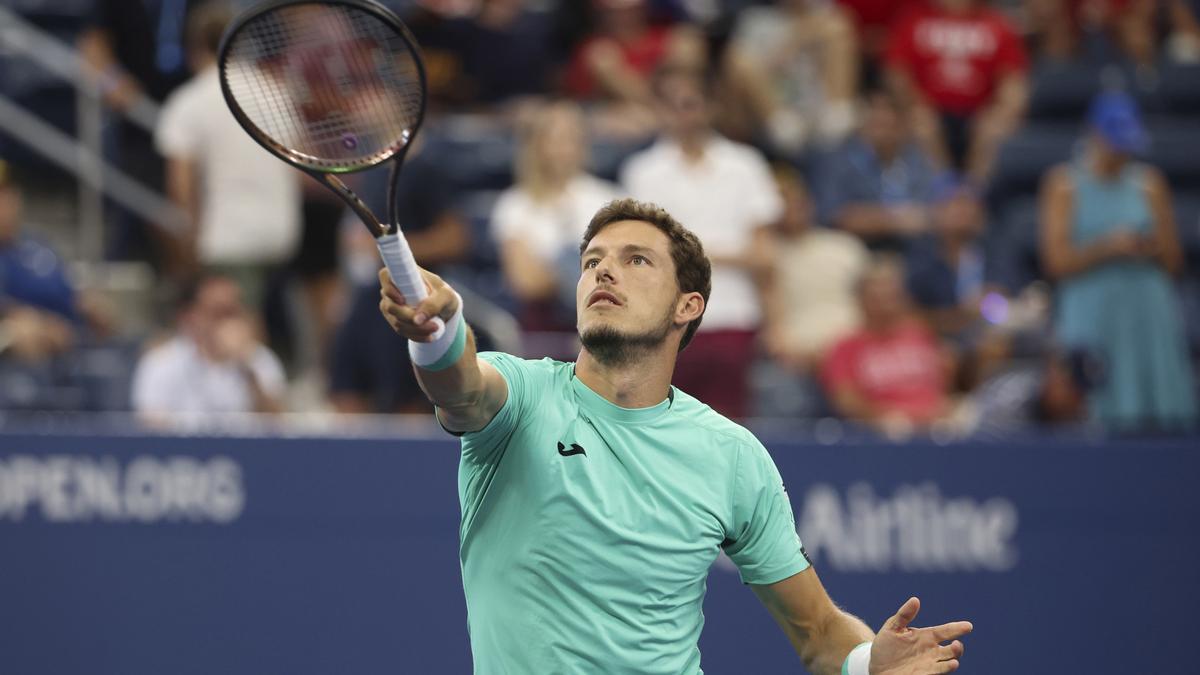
x: 595, y: 496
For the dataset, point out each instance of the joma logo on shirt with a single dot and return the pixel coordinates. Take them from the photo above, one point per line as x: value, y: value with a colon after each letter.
x: 575, y: 449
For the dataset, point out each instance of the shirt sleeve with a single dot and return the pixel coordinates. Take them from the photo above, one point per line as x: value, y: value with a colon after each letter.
x: 175, y: 135
x: 506, y: 217
x: 488, y: 444
x: 762, y: 541
x: 269, y: 372
x: 151, y: 383
x: 762, y: 200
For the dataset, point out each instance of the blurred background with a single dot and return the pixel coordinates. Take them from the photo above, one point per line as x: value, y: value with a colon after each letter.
x: 955, y: 251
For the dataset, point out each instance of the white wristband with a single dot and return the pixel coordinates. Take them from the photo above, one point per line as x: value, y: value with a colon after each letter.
x: 444, y: 351
x: 858, y: 661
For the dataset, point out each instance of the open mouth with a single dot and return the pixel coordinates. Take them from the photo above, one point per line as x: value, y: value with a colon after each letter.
x: 603, y: 298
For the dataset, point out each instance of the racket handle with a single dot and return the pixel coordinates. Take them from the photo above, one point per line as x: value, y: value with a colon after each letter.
x: 399, y: 261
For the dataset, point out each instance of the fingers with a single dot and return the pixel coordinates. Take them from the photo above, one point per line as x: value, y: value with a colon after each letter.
x: 903, y: 617
x: 950, y: 652
x: 947, y: 666
x: 950, y: 631
x: 415, y: 323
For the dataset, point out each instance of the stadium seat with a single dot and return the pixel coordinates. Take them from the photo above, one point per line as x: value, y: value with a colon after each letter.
x: 1061, y: 91
x: 1179, y: 88
x: 1174, y: 143
x: 1024, y: 158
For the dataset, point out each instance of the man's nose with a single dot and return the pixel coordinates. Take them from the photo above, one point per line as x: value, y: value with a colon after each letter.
x: 604, y: 271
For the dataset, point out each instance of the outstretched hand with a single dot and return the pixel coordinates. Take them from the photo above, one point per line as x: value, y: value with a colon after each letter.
x: 900, y: 649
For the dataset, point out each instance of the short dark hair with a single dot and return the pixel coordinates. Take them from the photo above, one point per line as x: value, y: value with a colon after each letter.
x: 693, y: 271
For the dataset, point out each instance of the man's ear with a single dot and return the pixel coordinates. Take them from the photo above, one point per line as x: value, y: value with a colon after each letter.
x: 689, y: 308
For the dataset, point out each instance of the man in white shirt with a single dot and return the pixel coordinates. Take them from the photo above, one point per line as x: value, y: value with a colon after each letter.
x: 723, y: 191
x: 244, y: 203
x: 213, y: 365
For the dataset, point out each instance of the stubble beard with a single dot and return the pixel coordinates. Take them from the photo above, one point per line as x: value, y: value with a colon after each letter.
x: 614, y: 348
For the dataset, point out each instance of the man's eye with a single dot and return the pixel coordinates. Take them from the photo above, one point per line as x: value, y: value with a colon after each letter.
x: 638, y: 260
x: 590, y: 263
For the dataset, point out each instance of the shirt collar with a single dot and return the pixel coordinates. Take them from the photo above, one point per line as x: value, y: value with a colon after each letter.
x: 601, y: 407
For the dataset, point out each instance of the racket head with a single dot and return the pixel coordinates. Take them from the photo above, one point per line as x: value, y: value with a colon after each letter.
x: 334, y: 86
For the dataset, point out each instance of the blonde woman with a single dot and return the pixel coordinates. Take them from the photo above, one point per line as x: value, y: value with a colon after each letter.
x: 538, y: 222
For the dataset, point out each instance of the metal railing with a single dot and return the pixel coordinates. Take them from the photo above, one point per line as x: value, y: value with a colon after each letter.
x: 82, y: 157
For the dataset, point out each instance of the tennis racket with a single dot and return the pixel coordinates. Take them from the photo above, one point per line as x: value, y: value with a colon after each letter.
x: 331, y: 87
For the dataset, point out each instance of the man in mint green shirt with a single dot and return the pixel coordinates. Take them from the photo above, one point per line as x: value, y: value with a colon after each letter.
x: 595, y: 496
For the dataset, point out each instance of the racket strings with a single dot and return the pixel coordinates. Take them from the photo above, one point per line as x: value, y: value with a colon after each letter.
x: 332, y: 86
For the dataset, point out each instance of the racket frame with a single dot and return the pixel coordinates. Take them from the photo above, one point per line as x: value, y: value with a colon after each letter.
x: 329, y: 176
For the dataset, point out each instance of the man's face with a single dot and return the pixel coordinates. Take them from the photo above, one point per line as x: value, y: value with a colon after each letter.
x: 562, y: 142
x: 883, y: 299
x: 882, y: 126
x: 682, y: 106
x: 219, y: 300
x: 627, y: 291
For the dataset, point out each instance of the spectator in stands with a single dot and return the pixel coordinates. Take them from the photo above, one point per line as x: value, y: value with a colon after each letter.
x: 213, y: 364
x: 803, y: 57
x: 38, y: 306
x: 946, y: 266
x: 616, y: 62
x: 877, y: 186
x: 891, y: 373
x: 960, y: 68
x: 873, y: 21
x: 500, y: 52
x: 1133, y: 31
x: 537, y: 223
x: 1049, y: 392
x: 1109, y: 240
x: 724, y: 193
x: 1183, y: 37
x: 244, y: 204
x: 950, y: 283
x: 368, y: 373
x: 810, y: 300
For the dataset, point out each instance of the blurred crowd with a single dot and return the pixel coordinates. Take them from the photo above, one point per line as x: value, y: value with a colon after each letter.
x: 926, y: 216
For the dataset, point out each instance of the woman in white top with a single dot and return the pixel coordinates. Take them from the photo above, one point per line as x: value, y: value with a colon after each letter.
x: 538, y: 222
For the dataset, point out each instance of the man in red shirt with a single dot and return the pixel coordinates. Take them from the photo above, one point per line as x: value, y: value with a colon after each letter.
x: 890, y: 373
x: 962, y: 68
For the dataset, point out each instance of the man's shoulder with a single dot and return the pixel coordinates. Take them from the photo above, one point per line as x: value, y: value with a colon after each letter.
x: 728, y: 150
x: 169, y: 354
x: 701, y: 416
x: 656, y: 157
x: 544, y: 367
x: 200, y: 87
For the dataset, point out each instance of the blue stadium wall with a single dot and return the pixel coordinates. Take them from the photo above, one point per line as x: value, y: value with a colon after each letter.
x: 146, y: 555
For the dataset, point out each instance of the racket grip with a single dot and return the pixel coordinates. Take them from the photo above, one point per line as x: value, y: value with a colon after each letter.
x: 399, y: 261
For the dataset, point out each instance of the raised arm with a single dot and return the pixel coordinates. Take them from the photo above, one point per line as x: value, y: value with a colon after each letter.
x: 824, y: 636
x: 467, y: 391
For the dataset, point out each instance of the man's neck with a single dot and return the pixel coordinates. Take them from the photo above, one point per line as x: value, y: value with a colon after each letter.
x: 642, y: 382
x: 693, y: 146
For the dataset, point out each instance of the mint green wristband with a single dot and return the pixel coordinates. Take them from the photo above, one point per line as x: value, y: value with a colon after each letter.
x: 456, y: 349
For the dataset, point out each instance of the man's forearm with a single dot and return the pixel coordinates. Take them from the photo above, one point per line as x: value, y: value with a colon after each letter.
x: 824, y: 653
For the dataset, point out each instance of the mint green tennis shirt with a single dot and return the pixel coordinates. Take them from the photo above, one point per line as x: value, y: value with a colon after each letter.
x: 588, y: 529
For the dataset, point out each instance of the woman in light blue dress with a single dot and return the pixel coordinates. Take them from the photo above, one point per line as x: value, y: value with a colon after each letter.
x: 1109, y: 241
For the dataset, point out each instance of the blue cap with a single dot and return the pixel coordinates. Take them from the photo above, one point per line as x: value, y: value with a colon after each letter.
x: 1114, y: 116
